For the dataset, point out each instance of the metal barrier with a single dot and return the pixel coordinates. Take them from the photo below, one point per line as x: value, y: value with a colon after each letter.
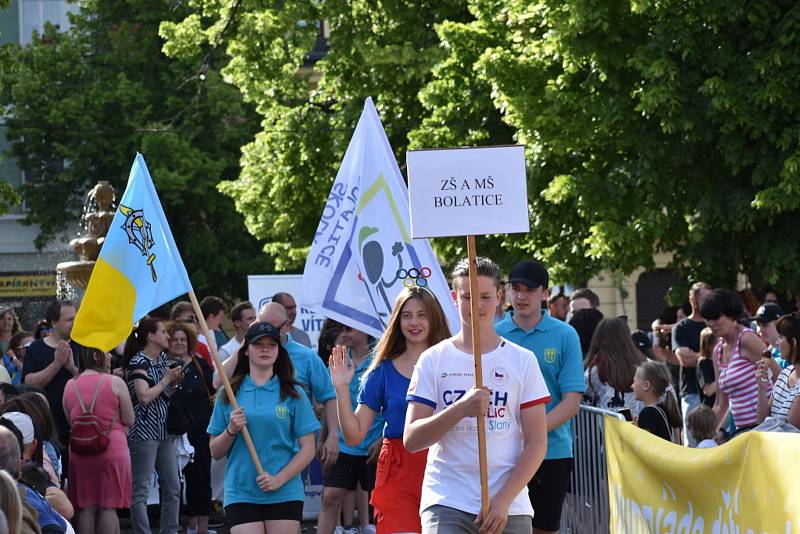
x: 586, y: 508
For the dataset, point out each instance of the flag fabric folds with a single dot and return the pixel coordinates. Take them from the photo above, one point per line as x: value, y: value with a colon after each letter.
x: 363, y: 255
x: 139, y: 267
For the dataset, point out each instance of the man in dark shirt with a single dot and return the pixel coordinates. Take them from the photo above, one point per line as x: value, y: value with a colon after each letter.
x: 50, y: 362
x: 686, y: 345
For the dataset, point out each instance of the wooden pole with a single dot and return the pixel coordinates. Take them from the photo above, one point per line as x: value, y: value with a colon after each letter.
x: 212, y: 345
x: 476, y: 353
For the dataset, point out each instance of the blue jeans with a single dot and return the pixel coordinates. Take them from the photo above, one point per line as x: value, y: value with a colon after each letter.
x: 438, y: 519
x: 689, y: 403
x: 146, y: 455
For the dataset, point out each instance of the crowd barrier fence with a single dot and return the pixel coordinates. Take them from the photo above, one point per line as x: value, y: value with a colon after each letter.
x: 586, y: 508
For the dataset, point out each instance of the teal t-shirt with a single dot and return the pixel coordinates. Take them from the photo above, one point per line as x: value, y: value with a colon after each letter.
x: 376, y: 430
x: 275, y: 426
x: 558, y: 350
x: 310, y: 371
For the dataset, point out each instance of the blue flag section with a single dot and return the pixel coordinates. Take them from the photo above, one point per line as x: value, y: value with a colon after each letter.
x: 363, y: 254
x: 139, y: 267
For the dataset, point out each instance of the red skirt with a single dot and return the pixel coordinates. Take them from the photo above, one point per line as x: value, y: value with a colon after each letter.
x: 398, y: 488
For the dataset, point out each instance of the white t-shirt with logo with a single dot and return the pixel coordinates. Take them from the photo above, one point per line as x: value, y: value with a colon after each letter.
x: 443, y: 375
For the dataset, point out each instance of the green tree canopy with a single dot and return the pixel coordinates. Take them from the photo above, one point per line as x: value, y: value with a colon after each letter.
x: 650, y: 126
x: 83, y: 102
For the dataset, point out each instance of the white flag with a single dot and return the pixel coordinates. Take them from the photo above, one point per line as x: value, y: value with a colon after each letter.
x: 363, y: 254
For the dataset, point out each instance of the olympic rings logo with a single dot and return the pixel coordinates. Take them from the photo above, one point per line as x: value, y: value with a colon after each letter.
x: 414, y: 277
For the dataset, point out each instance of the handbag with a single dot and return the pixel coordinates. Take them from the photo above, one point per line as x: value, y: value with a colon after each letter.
x: 179, y: 419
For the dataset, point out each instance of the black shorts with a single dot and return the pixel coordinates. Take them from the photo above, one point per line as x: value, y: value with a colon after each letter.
x: 349, y: 471
x: 244, y: 512
x: 547, y: 490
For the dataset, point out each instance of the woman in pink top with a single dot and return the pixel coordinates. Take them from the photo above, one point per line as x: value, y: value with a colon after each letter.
x: 735, y: 357
x: 100, y: 483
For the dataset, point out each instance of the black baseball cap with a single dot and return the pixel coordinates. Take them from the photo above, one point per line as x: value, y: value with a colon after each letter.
x: 258, y: 330
x: 767, y: 313
x: 530, y: 273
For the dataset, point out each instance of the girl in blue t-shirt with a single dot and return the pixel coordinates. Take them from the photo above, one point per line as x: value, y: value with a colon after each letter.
x: 281, y: 423
x: 416, y: 323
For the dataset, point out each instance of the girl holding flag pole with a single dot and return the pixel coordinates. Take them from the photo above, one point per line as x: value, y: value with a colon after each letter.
x: 417, y: 322
x: 279, y: 416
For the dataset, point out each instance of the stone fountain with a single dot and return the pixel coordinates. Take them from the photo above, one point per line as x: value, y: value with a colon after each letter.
x: 98, y: 212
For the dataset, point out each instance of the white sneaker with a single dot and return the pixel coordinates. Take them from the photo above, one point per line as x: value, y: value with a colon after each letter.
x: 338, y: 530
x: 369, y: 529
x: 190, y: 530
x: 354, y: 530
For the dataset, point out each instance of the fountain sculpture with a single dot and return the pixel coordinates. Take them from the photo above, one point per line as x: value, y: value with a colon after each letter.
x: 98, y: 212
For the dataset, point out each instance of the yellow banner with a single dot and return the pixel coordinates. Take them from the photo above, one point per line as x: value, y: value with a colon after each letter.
x: 749, y: 485
x: 28, y: 285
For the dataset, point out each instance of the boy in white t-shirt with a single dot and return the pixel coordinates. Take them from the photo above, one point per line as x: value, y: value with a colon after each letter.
x: 442, y: 414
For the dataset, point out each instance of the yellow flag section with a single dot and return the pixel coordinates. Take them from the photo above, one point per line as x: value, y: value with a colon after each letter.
x: 749, y: 485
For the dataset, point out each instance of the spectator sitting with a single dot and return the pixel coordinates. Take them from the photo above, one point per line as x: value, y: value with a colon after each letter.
x: 610, y: 366
x: 34, y: 405
x: 10, y: 504
x: 11, y: 437
x: 701, y: 425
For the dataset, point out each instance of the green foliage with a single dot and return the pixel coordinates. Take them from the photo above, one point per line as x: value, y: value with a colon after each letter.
x: 649, y: 126
x: 93, y: 96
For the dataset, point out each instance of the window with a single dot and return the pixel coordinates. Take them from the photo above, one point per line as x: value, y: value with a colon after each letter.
x: 34, y: 13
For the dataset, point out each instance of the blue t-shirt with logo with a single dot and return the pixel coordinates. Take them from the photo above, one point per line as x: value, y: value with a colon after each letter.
x: 310, y: 371
x: 374, y: 432
x: 384, y: 392
x: 275, y: 425
x: 558, y: 350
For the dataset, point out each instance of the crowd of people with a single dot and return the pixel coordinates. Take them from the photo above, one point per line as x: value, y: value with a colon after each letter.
x: 85, y: 434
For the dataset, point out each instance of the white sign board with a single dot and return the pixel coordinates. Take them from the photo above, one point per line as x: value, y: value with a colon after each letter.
x: 468, y: 191
x: 261, y: 287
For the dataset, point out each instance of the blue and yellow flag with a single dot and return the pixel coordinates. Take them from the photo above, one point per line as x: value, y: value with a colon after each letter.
x: 138, y: 270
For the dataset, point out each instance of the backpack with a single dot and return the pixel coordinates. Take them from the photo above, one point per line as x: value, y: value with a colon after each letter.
x: 87, y: 436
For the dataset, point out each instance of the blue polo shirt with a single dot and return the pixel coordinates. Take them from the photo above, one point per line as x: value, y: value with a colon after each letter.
x: 376, y: 429
x: 558, y: 350
x: 275, y: 426
x: 310, y: 371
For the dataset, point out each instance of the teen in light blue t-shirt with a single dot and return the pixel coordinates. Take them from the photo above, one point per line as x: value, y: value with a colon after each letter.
x: 279, y: 417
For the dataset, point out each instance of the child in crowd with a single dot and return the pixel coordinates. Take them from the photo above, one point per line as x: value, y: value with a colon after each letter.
x: 701, y: 424
x: 661, y: 415
x: 706, y: 380
x: 281, y: 423
x: 417, y: 322
x: 353, y: 473
x: 444, y: 405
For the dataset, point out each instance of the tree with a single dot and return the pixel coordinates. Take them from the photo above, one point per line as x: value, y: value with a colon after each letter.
x: 384, y: 50
x: 650, y: 126
x: 8, y: 195
x: 84, y: 101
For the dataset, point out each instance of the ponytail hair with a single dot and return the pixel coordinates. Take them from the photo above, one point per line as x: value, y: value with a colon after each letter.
x: 661, y: 381
x: 138, y: 339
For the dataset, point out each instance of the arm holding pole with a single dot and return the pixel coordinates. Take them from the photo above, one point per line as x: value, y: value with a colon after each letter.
x: 226, y: 383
